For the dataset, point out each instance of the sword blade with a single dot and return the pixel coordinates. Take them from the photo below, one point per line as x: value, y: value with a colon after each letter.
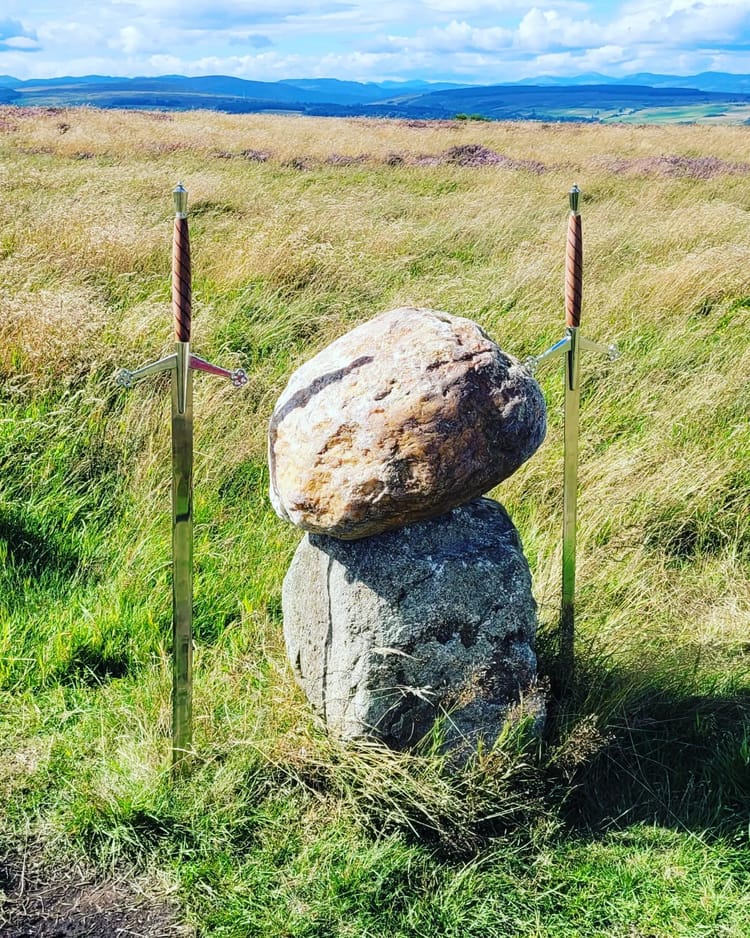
x: 570, y: 499
x: 182, y: 558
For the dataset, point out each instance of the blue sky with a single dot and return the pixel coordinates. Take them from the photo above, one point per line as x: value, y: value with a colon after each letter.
x: 463, y: 40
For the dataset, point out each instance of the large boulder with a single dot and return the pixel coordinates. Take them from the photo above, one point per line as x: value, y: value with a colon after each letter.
x: 401, y: 419
x: 386, y: 633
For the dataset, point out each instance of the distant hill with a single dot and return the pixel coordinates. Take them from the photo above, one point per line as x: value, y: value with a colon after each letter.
x: 705, y: 81
x: 590, y: 97
x: 424, y: 85
x: 530, y: 101
x: 90, y: 88
x: 86, y: 90
x: 336, y: 91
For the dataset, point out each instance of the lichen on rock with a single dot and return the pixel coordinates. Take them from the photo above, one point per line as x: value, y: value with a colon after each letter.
x: 403, y: 418
x: 390, y: 632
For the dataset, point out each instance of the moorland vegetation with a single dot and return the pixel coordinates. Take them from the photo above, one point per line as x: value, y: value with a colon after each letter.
x: 629, y: 818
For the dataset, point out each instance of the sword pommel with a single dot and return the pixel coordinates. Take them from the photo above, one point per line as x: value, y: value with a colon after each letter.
x: 180, y: 196
x: 574, y: 263
x: 573, y: 196
x: 181, y: 278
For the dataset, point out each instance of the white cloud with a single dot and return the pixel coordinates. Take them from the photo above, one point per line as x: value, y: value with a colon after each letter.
x: 132, y: 40
x: 19, y: 42
x: 11, y: 28
x: 454, y: 38
x: 72, y: 37
x: 15, y: 36
x: 681, y: 21
x: 478, y: 40
x: 472, y: 7
x: 226, y: 14
x: 547, y: 29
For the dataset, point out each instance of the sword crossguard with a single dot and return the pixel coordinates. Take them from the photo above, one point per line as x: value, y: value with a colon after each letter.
x: 534, y: 361
x: 238, y: 377
x: 611, y: 351
x: 586, y: 345
x: 126, y: 378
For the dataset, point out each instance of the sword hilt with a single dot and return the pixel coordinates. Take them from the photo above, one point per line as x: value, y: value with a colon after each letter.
x: 181, y: 279
x: 574, y: 263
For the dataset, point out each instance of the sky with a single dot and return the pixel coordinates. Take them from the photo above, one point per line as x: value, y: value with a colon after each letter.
x: 472, y: 41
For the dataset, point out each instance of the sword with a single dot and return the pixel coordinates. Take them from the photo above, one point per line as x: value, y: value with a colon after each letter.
x: 571, y: 346
x: 181, y: 363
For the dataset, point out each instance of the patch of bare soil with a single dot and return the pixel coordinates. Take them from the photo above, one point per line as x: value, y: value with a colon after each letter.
x: 37, y: 901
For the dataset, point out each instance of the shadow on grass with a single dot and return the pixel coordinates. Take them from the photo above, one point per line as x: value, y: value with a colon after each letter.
x: 32, y: 548
x: 652, y: 743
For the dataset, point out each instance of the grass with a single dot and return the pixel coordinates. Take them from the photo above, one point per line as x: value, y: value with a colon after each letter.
x: 630, y: 817
x: 725, y: 113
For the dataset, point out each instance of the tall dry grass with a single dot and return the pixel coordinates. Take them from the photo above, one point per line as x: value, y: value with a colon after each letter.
x: 300, y: 229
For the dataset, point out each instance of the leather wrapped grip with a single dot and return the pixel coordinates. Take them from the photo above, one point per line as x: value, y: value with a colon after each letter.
x: 181, y: 280
x: 574, y: 271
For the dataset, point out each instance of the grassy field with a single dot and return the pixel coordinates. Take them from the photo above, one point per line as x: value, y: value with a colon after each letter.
x: 700, y: 113
x: 630, y: 818
x: 727, y: 113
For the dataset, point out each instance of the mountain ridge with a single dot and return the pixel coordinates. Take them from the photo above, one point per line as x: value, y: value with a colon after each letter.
x: 588, y: 97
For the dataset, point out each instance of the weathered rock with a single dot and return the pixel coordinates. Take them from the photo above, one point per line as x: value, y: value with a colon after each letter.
x: 401, y: 419
x: 386, y: 633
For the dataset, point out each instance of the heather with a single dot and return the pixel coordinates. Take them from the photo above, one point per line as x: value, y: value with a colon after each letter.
x: 629, y: 816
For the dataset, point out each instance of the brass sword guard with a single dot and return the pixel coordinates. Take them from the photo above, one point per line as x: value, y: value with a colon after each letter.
x: 126, y: 378
x: 563, y: 345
